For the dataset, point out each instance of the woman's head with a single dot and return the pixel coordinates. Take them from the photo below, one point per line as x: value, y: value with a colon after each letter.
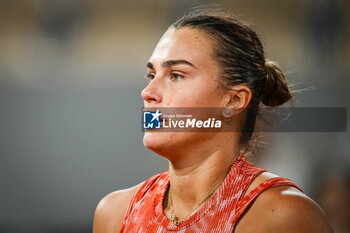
x: 228, y: 57
x: 240, y: 56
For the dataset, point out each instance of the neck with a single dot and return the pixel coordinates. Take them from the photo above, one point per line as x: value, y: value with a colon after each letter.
x: 193, y: 180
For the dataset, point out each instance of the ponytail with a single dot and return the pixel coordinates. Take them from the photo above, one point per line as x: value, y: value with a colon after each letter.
x: 276, y: 90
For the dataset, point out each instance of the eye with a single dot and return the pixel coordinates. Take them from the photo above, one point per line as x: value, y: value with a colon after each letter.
x: 176, y: 76
x: 150, y: 76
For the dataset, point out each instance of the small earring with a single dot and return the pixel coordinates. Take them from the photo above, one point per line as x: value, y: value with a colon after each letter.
x: 227, y: 114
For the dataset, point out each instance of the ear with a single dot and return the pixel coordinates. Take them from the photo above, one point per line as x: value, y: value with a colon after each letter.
x: 238, y: 99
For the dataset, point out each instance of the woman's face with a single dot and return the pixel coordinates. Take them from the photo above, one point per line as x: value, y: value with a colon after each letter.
x: 182, y: 73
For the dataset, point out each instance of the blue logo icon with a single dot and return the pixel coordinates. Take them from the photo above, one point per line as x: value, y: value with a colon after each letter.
x: 151, y: 120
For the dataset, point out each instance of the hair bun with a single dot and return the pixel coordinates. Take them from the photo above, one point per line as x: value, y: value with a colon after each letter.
x: 276, y: 90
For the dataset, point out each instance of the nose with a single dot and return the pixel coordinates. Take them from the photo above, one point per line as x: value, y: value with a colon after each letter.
x: 151, y: 93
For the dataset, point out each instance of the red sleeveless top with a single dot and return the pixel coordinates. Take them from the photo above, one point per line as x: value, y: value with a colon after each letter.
x: 219, y: 214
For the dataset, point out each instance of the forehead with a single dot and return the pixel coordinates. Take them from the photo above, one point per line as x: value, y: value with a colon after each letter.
x: 184, y: 43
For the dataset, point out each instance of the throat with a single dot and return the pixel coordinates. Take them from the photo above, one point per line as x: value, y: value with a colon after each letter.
x: 192, y: 187
x: 177, y: 210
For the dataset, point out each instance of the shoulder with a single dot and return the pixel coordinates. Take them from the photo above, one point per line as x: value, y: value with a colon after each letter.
x: 283, y: 209
x: 110, y: 211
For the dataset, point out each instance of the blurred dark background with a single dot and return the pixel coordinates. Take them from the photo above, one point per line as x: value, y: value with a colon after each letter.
x: 71, y: 73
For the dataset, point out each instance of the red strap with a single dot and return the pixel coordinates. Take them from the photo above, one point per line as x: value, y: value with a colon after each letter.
x: 249, y: 199
x: 139, y: 193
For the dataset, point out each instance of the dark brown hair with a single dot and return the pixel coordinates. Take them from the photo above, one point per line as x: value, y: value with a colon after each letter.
x: 240, y: 55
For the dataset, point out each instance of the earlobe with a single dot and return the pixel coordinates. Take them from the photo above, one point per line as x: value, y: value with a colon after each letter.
x: 227, y: 114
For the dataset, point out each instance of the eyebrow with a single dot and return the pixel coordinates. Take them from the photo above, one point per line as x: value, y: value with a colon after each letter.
x: 169, y: 63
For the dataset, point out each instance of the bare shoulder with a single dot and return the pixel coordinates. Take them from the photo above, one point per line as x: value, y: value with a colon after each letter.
x: 283, y: 209
x: 110, y: 211
x: 286, y: 209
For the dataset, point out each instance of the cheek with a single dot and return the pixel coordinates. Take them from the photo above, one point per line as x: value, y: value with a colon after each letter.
x: 194, y: 94
x: 206, y: 92
x: 195, y: 99
x: 178, y: 98
x: 206, y: 97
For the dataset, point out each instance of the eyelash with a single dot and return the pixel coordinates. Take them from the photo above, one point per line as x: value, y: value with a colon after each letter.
x: 150, y: 76
x: 172, y: 76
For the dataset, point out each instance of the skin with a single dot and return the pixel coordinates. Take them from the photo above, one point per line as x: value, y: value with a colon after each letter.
x: 205, y: 156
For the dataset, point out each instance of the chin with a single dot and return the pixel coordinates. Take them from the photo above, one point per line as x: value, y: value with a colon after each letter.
x: 154, y: 140
x: 161, y: 143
